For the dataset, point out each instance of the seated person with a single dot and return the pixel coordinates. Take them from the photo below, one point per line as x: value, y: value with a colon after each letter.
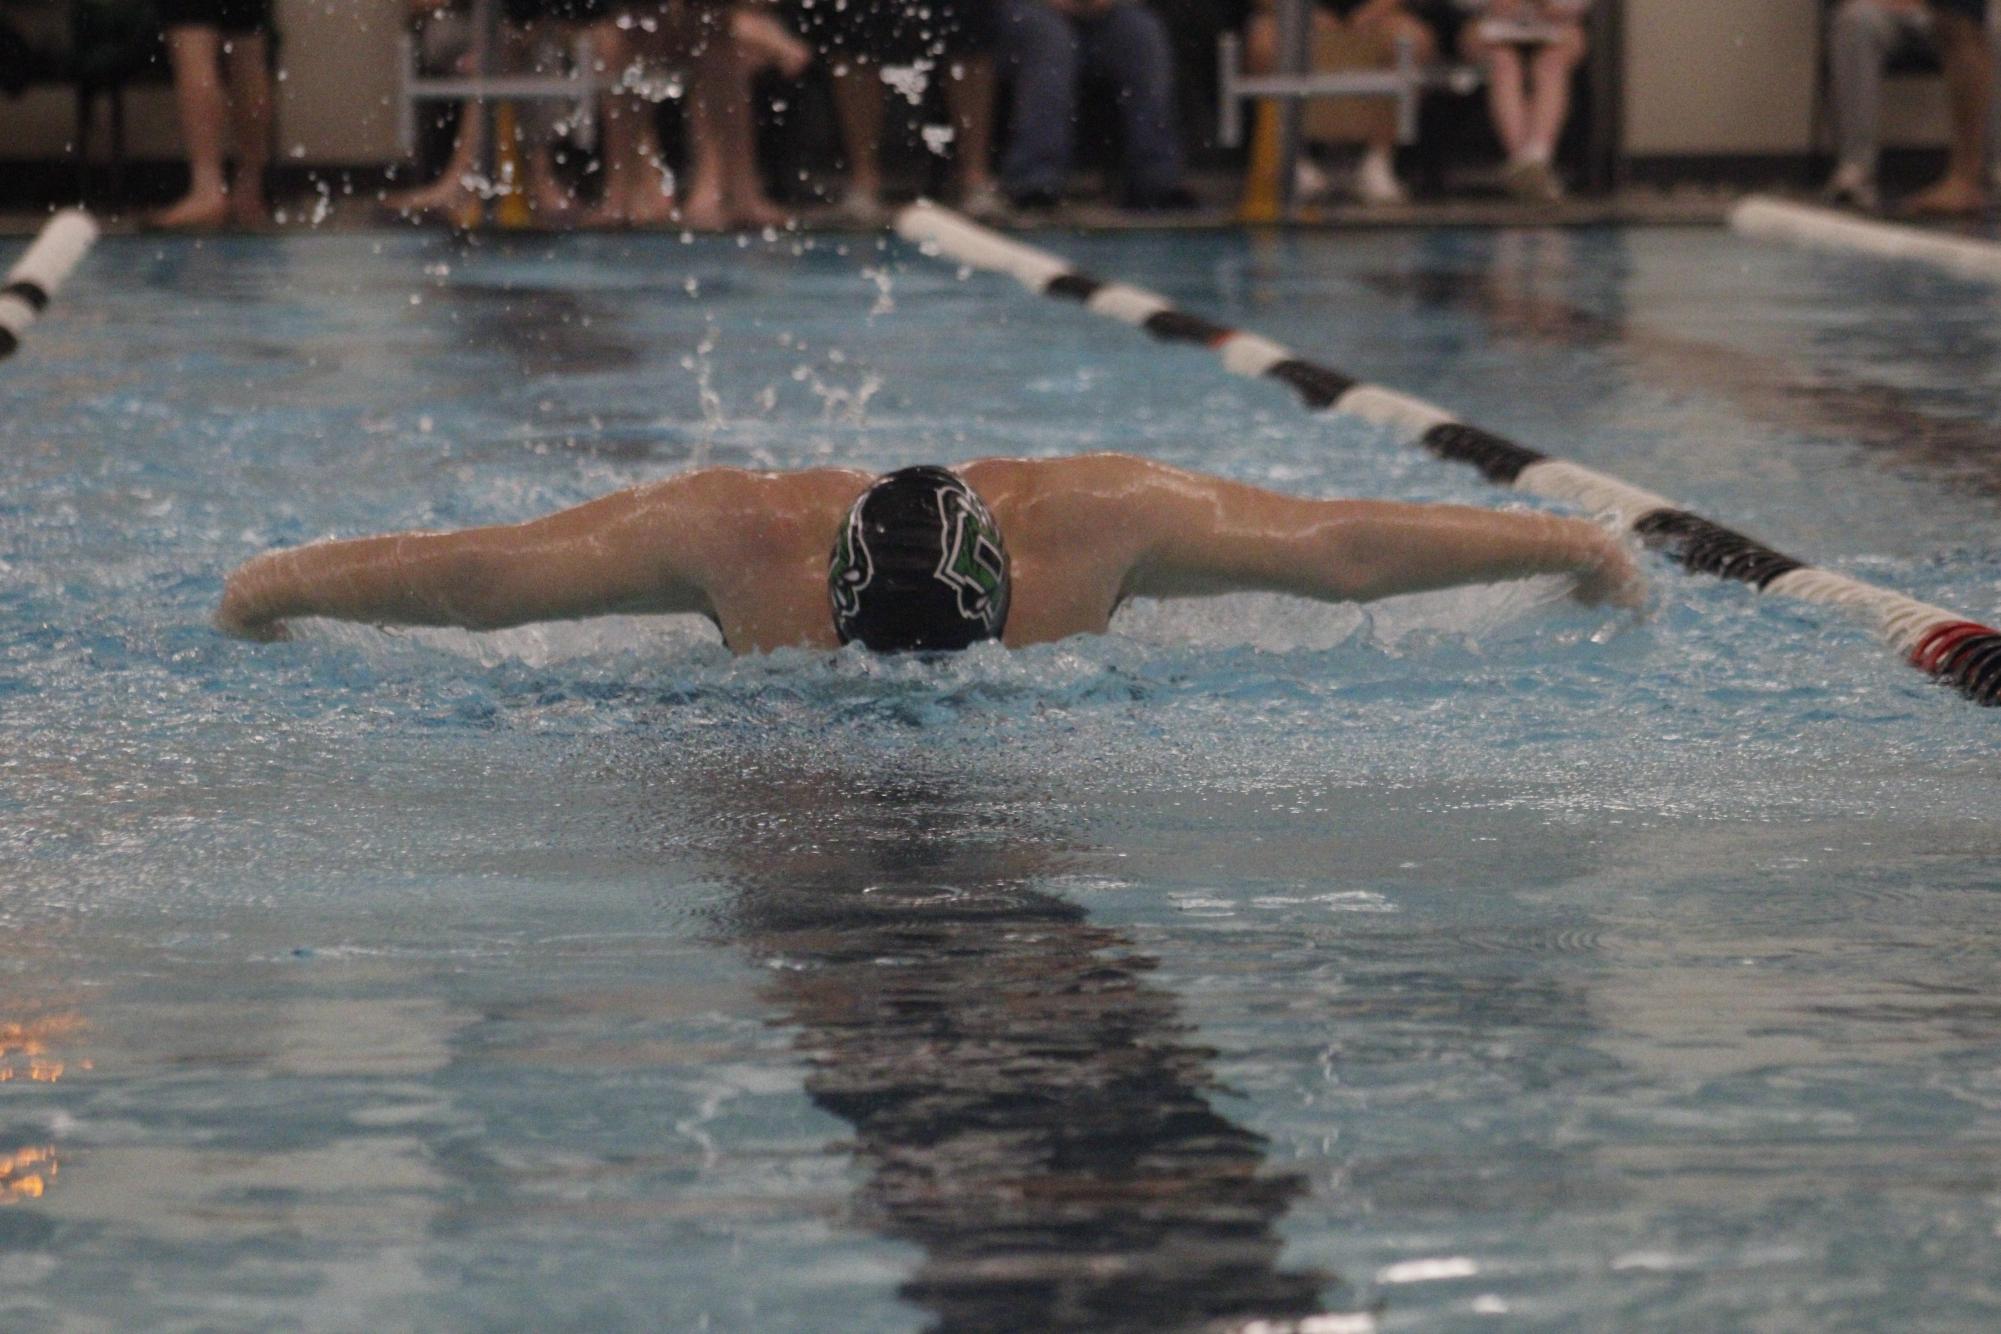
x: 1865, y: 35
x: 1049, y: 45
x: 721, y: 47
x: 1529, y: 49
x: 1359, y: 33
x: 859, y: 40
x: 1025, y: 551
x: 446, y: 47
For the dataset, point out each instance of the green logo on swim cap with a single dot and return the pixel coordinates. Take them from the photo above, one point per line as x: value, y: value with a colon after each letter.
x: 972, y: 563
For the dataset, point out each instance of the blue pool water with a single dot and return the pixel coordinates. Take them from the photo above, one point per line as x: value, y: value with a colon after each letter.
x: 1472, y: 961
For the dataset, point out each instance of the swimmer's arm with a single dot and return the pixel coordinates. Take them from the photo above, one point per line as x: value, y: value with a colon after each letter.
x: 1224, y: 536
x: 619, y: 553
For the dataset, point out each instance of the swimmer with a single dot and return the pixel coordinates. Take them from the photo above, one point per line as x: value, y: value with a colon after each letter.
x: 1024, y: 551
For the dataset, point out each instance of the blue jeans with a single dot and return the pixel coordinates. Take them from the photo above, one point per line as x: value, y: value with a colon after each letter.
x: 1047, y: 53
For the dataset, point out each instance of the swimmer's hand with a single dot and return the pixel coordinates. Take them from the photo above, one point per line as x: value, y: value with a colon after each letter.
x: 242, y: 611
x: 262, y: 632
x: 1609, y: 576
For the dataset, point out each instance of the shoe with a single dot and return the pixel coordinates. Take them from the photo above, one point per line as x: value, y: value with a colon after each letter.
x: 1376, y: 182
x: 1854, y: 187
x: 1532, y: 182
x: 1309, y: 182
x: 1174, y: 199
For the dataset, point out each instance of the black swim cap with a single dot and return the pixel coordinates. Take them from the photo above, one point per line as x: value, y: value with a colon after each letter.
x: 919, y: 565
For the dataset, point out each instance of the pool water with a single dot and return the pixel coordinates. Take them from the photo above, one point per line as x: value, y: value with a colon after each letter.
x: 1472, y: 960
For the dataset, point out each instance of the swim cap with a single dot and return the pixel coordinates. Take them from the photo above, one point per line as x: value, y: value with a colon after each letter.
x: 919, y: 565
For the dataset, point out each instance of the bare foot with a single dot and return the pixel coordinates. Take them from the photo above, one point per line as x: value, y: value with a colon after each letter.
x: 554, y: 206
x: 757, y: 213
x: 442, y: 193
x: 452, y: 206
x: 249, y: 212
x: 705, y: 213
x: 193, y: 213
x: 1950, y: 198
x: 651, y: 207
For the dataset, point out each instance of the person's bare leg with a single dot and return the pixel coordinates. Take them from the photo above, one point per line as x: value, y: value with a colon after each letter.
x: 195, y: 54
x: 249, y: 101
x: 735, y: 126
x: 1549, y: 105
x: 451, y: 190
x: 969, y: 91
x: 1377, y: 178
x: 637, y: 188
x: 858, y: 94
x: 1507, y: 100
x: 1969, y: 77
x: 765, y: 43
x: 705, y: 204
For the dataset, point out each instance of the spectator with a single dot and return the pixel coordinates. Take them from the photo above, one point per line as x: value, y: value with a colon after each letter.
x: 859, y: 39
x: 1381, y: 24
x: 722, y: 48
x: 1050, y: 44
x: 1530, y: 49
x: 201, y: 36
x: 536, y: 32
x: 1866, y: 34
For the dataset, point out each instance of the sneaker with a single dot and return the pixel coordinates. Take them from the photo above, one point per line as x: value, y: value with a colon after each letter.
x: 1376, y: 182
x: 1855, y: 187
x: 1309, y: 182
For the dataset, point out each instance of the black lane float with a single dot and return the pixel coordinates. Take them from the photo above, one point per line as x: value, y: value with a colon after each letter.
x: 1941, y: 643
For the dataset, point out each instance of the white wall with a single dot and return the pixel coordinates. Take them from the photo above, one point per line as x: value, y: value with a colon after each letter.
x: 337, y: 71
x: 1739, y: 77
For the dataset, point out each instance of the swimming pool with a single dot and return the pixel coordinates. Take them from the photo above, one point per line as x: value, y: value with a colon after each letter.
x: 1474, y: 961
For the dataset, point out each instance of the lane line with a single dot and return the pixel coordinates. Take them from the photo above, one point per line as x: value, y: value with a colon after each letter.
x: 1943, y: 644
x: 1770, y: 219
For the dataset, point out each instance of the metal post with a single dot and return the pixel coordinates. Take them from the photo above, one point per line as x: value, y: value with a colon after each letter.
x: 1295, y: 33
x: 486, y: 39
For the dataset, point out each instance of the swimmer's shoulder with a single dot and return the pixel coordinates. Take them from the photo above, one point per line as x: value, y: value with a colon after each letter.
x: 744, y: 493
x: 1073, y: 475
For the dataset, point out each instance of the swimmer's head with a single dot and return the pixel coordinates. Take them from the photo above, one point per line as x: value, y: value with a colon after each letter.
x: 919, y: 566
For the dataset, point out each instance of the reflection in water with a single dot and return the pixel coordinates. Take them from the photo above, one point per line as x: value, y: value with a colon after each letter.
x: 1030, y: 1110
x: 546, y: 330
x: 27, y: 1051
x: 1519, y: 294
x: 26, y: 1173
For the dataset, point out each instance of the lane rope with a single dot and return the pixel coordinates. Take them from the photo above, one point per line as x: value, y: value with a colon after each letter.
x: 1768, y: 219
x: 36, y: 277
x: 1944, y: 644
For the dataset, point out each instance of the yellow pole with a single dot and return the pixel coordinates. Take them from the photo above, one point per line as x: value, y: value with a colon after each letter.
x: 1261, y: 192
x: 511, y: 196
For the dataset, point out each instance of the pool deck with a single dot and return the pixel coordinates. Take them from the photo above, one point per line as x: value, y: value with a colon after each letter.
x: 1681, y: 207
